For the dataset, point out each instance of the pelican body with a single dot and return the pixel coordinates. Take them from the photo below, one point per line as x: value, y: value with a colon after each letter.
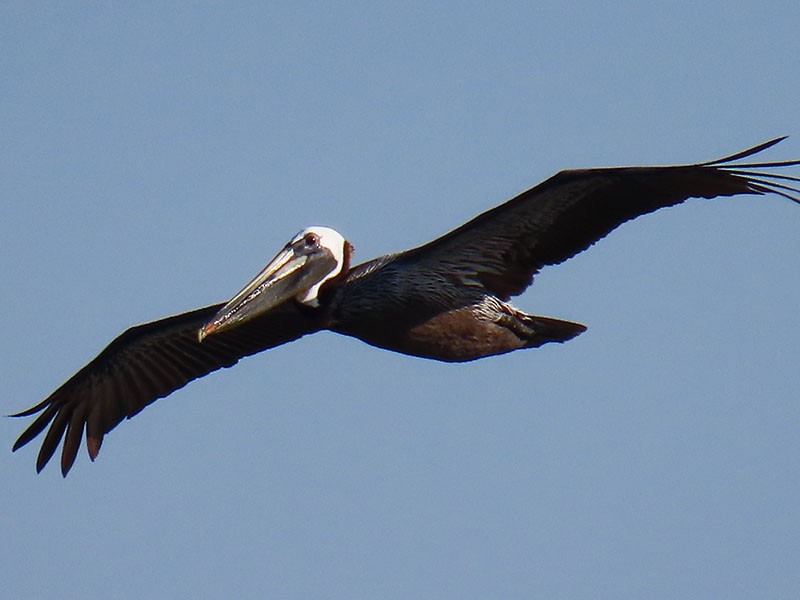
x: 440, y: 315
x: 447, y: 300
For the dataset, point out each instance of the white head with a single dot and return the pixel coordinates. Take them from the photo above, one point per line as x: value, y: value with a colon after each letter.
x: 324, y: 239
x: 311, y: 258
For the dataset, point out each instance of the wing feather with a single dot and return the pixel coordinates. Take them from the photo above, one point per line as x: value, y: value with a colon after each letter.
x: 145, y: 363
x: 502, y: 249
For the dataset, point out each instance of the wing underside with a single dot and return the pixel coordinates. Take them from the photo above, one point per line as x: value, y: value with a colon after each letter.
x: 140, y: 366
x: 505, y: 247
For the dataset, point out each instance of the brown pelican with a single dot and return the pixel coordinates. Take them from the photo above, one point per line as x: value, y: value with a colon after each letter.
x: 446, y: 300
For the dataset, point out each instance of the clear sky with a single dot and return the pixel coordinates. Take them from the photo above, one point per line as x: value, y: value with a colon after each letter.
x: 154, y: 157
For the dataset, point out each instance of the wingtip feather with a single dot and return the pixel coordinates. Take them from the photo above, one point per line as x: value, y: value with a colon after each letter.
x: 748, y: 152
x: 93, y: 446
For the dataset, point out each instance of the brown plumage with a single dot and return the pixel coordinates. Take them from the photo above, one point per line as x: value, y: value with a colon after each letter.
x: 446, y: 300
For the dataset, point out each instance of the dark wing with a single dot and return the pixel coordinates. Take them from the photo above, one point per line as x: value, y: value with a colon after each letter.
x: 146, y: 363
x: 503, y: 248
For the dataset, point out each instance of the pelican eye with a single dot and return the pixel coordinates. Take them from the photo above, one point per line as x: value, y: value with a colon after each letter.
x: 311, y: 239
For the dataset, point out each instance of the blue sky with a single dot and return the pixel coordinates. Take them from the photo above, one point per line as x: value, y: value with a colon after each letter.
x: 153, y: 159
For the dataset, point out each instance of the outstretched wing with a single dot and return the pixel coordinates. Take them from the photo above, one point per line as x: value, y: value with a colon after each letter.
x: 503, y: 248
x: 145, y: 363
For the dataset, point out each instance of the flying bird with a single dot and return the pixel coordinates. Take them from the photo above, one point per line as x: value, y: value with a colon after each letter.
x: 447, y: 300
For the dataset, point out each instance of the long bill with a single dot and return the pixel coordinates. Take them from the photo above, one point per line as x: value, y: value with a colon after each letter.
x: 283, y: 278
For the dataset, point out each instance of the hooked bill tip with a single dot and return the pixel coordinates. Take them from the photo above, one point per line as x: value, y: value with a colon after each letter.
x: 206, y: 330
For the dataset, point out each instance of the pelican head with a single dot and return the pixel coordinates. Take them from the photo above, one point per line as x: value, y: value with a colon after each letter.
x: 312, y: 257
